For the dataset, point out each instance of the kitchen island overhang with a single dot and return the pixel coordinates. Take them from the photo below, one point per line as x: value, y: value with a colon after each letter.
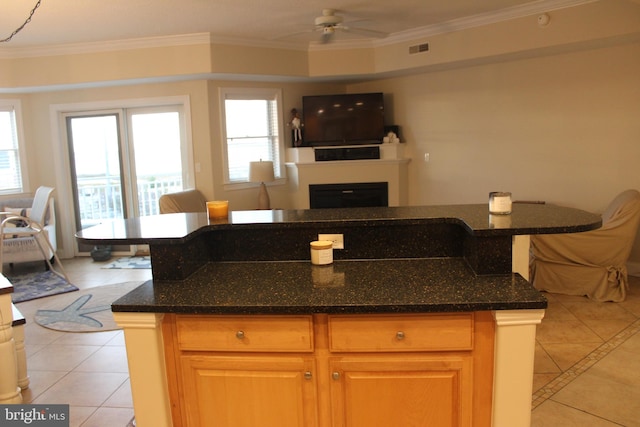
x: 180, y: 244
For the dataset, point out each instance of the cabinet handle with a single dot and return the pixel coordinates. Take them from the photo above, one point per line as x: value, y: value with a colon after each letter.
x: 335, y: 375
x: 307, y: 375
x: 399, y: 335
x: 240, y: 335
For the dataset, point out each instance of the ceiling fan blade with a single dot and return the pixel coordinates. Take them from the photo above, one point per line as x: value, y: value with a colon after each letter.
x: 291, y: 35
x: 364, y: 32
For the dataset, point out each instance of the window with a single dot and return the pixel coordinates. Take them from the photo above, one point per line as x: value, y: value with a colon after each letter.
x: 11, y: 163
x: 251, y: 119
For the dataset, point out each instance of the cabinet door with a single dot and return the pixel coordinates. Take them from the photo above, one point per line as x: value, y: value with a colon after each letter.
x: 240, y: 391
x: 392, y: 391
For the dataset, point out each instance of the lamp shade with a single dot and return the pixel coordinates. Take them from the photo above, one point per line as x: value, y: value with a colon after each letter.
x: 261, y: 171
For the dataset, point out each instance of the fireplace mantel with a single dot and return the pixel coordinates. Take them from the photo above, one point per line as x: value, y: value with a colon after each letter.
x: 303, y: 174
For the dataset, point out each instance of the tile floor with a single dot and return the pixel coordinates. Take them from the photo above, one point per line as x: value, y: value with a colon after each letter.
x: 587, y: 363
x: 88, y: 371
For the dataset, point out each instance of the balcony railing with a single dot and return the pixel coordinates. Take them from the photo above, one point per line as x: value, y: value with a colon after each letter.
x: 100, y: 198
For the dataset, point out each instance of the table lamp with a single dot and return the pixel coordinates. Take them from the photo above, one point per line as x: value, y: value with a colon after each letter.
x: 262, y: 172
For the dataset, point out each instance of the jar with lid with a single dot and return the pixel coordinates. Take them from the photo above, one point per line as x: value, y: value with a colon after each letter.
x: 321, y: 252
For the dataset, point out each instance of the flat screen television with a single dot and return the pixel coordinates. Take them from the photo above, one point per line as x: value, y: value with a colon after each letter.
x: 346, y: 119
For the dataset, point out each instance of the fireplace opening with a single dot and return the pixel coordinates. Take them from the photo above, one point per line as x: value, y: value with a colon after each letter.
x: 352, y: 195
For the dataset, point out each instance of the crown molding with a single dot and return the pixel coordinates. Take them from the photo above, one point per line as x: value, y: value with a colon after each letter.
x: 106, y: 46
x: 480, y: 20
x: 460, y: 24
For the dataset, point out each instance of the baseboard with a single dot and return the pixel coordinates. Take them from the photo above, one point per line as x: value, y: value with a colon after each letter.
x: 633, y: 268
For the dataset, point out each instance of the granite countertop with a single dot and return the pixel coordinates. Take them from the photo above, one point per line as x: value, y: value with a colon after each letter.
x: 396, y: 259
x: 354, y: 286
x: 526, y: 218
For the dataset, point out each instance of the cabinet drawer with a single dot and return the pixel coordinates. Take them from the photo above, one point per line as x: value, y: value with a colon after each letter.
x: 239, y: 333
x: 401, y: 333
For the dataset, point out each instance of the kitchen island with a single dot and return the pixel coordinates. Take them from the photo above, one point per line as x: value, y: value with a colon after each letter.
x: 235, y: 305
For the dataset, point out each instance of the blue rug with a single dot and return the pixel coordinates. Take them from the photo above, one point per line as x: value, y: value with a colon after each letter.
x: 38, y: 285
x: 130, y: 262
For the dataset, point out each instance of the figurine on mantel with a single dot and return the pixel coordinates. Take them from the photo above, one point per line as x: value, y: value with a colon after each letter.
x: 296, y: 128
x: 391, y: 138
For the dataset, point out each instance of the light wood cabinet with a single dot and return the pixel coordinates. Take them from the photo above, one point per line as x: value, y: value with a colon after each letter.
x: 416, y: 370
x: 398, y: 391
x: 330, y: 370
x: 249, y: 391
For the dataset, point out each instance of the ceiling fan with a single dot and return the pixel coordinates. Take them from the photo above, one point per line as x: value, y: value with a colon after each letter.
x: 329, y: 23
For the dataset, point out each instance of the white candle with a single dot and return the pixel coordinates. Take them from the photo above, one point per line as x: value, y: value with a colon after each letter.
x: 500, y: 202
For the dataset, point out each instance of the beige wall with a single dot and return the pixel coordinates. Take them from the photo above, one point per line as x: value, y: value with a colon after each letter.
x: 561, y: 128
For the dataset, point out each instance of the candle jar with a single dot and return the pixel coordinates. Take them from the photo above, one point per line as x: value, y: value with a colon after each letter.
x: 218, y: 209
x: 500, y: 203
x: 321, y: 252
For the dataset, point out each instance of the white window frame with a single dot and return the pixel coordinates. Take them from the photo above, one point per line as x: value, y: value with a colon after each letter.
x: 57, y: 119
x: 248, y: 94
x: 15, y: 106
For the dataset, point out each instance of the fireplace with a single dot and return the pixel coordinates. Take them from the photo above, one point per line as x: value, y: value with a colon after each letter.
x: 392, y: 173
x: 349, y: 195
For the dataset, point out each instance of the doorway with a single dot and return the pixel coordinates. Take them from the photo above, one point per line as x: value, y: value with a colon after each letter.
x: 121, y: 161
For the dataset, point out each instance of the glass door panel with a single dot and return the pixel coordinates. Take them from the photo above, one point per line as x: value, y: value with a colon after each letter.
x: 96, y: 170
x: 158, y: 170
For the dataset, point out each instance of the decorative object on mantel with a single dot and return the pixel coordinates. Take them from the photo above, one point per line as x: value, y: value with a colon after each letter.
x: 86, y: 311
x: 24, y: 24
x: 391, y: 138
x: 262, y: 172
x: 296, y: 128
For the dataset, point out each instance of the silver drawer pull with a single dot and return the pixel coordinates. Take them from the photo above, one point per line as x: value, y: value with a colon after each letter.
x: 399, y: 335
x: 240, y: 335
x: 307, y: 375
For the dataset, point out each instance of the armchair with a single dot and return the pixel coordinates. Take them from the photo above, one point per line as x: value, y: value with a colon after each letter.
x: 591, y: 263
x: 30, y: 235
x: 183, y: 201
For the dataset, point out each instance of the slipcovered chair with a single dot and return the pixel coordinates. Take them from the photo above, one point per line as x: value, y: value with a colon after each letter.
x: 183, y: 201
x: 592, y: 263
x: 25, y: 233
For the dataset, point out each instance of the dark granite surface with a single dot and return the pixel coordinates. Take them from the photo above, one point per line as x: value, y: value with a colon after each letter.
x: 363, y: 286
x: 475, y: 219
x: 396, y: 259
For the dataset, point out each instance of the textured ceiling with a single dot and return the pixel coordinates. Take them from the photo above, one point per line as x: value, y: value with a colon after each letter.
x: 286, y: 21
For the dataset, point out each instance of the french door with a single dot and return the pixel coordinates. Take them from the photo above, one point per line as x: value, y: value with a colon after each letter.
x: 122, y: 160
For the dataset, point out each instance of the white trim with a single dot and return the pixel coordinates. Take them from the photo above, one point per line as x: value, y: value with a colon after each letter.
x: 267, y: 93
x: 106, y: 46
x: 147, y: 367
x: 513, y: 366
x: 482, y: 19
x: 16, y: 106
x: 61, y: 157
